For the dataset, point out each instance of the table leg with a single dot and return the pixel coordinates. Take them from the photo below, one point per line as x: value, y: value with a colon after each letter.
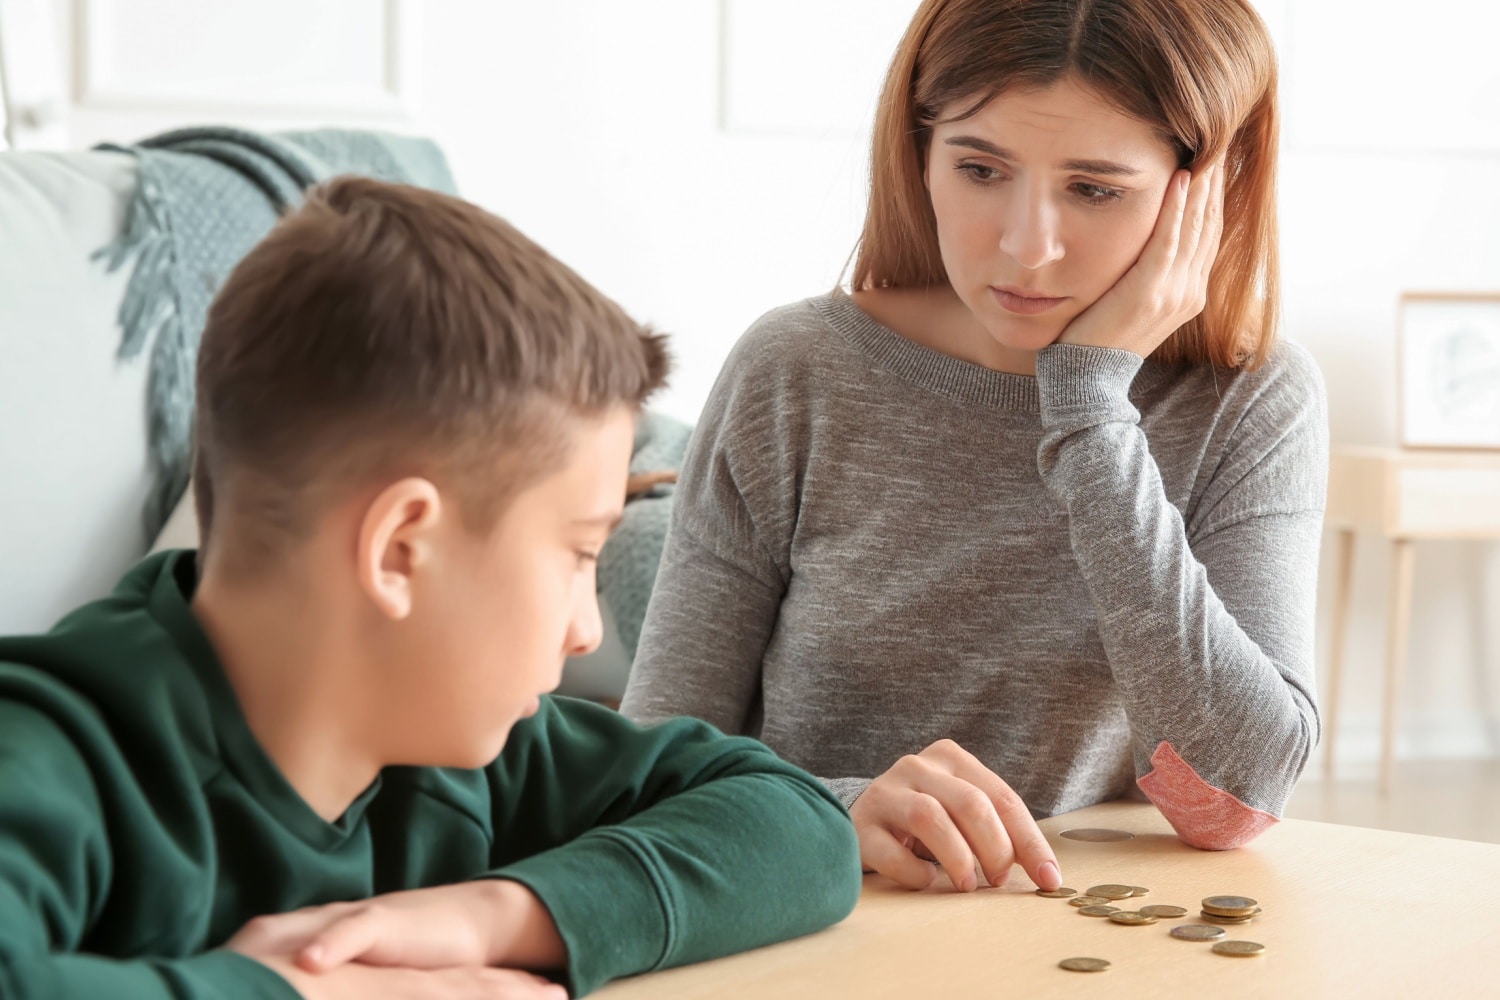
x: 1342, y: 583
x: 1398, y: 619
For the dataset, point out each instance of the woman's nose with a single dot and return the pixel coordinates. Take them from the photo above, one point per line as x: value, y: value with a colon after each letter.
x: 1031, y: 232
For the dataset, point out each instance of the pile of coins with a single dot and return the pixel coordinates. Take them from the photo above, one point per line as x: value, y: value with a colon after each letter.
x: 1095, y: 902
x: 1230, y: 910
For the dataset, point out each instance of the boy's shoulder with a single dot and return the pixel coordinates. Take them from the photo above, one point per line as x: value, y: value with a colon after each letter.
x: 109, y: 673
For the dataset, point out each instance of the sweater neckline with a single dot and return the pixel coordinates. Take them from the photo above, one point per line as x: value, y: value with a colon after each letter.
x: 941, y: 373
x: 239, y: 751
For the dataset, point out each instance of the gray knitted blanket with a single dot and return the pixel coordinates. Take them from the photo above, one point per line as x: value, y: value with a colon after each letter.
x: 628, y: 562
x: 204, y: 197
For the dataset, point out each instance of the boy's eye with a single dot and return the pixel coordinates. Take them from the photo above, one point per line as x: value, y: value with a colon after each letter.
x: 585, y: 557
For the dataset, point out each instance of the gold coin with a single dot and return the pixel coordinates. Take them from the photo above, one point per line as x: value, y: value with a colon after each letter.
x: 1084, y: 964
x: 1098, y: 911
x: 1214, y: 918
x: 1089, y: 901
x: 1239, y: 949
x: 1112, y: 891
x: 1170, y: 912
x: 1138, y: 890
x: 1229, y: 906
x: 1132, y: 918
x: 1062, y: 893
x: 1197, y: 932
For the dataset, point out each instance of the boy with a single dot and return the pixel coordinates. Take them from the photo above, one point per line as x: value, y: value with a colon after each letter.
x: 277, y: 770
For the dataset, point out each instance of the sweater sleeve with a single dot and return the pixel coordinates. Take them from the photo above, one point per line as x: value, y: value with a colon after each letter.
x: 55, y: 869
x: 657, y: 847
x: 1208, y: 626
x: 726, y: 564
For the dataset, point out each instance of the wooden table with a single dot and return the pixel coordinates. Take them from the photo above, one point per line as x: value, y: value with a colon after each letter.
x: 1403, y: 495
x: 1348, y: 912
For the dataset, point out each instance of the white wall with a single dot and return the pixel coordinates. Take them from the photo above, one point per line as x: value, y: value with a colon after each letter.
x: 658, y: 146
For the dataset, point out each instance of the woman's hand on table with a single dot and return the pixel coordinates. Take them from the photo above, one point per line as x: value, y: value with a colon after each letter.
x: 943, y: 805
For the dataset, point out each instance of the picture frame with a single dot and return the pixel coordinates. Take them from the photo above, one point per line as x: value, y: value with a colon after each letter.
x: 1448, y: 370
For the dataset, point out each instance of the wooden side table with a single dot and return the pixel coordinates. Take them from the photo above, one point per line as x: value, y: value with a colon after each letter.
x: 1404, y: 495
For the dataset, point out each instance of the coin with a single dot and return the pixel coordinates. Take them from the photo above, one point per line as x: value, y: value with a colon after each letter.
x: 1062, y: 893
x: 1197, y: 932
x: 1170, y: 912
x: 1214, y: 918
x: 1112, y: 891
x: 1089, y: 901
x: 1229, y: 906
x: 1098, y: 911
x: 1084, y: 964
x: 1239, y: 949
x: 1138, y: 890
x: 1133, y: 918
x: 1096, y: 835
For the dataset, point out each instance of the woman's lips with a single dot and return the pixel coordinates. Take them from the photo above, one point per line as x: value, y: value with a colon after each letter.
x: 1024, y: 304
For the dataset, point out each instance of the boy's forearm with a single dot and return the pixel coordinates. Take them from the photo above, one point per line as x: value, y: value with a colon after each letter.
x: 523, y: 934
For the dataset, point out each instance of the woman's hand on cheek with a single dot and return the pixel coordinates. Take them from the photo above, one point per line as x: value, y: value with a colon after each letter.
x: 1168, y: 284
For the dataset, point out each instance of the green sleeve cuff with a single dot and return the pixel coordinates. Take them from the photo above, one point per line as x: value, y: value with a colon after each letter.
x: 214, y: 975
x: 610, y: 909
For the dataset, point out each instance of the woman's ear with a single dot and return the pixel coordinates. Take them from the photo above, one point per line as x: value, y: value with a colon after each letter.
x: 396, y: 541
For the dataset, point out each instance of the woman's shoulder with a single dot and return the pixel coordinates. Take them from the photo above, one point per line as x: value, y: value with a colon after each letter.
x: 1289, y: 370
x: 789, y: 345
x: 787, y: 329
x: 1288, y: 381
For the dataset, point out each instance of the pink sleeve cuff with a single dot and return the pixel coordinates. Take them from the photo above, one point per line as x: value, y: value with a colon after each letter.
x: 1203, y: 816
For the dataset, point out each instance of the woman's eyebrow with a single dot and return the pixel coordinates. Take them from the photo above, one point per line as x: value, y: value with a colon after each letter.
x: 1105, y: 168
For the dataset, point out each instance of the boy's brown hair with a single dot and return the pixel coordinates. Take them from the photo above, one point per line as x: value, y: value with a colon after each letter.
x: 382, y: 331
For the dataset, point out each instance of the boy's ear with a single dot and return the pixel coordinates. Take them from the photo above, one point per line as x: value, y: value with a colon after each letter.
x: 396, y: 539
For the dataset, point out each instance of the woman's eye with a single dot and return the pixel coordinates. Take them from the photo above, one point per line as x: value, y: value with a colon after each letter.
x: 978, y: 173
x: 1095, y: 194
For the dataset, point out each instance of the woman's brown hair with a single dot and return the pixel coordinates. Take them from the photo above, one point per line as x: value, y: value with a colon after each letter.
x: 1201, y: 72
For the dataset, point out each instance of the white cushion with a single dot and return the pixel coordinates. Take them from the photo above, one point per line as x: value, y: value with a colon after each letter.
x: 72, y: 417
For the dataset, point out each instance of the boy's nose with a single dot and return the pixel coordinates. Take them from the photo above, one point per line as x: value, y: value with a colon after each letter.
x: 586, y: 629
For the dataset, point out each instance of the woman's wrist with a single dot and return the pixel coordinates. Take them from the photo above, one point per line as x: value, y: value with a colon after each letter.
x: 1071, y: 378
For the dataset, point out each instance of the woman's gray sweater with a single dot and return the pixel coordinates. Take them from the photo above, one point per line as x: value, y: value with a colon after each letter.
x: 1099, y: 578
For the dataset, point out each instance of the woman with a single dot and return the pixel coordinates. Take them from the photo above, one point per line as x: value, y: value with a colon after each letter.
x: 1030, y: 519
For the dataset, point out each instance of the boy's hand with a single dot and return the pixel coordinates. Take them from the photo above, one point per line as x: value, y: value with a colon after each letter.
x: 490, y: 922
x: 944, y: 805
x: 361, y: 982
x: 1168, y: 284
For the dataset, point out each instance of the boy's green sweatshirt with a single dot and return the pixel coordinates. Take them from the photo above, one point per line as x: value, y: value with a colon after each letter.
x: 141, y: 824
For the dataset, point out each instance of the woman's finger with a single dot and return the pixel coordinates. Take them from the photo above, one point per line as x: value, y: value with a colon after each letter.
x: 972, y: 811
x: 1030, y: 847
x: 926, y: 817
x: 1195, y: 217
x: 880, y: 851
x: 1208, y: 248
x: 1161, y: 249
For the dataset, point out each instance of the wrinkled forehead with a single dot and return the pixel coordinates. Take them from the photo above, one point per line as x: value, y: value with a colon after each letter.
x: 1070, y: 115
